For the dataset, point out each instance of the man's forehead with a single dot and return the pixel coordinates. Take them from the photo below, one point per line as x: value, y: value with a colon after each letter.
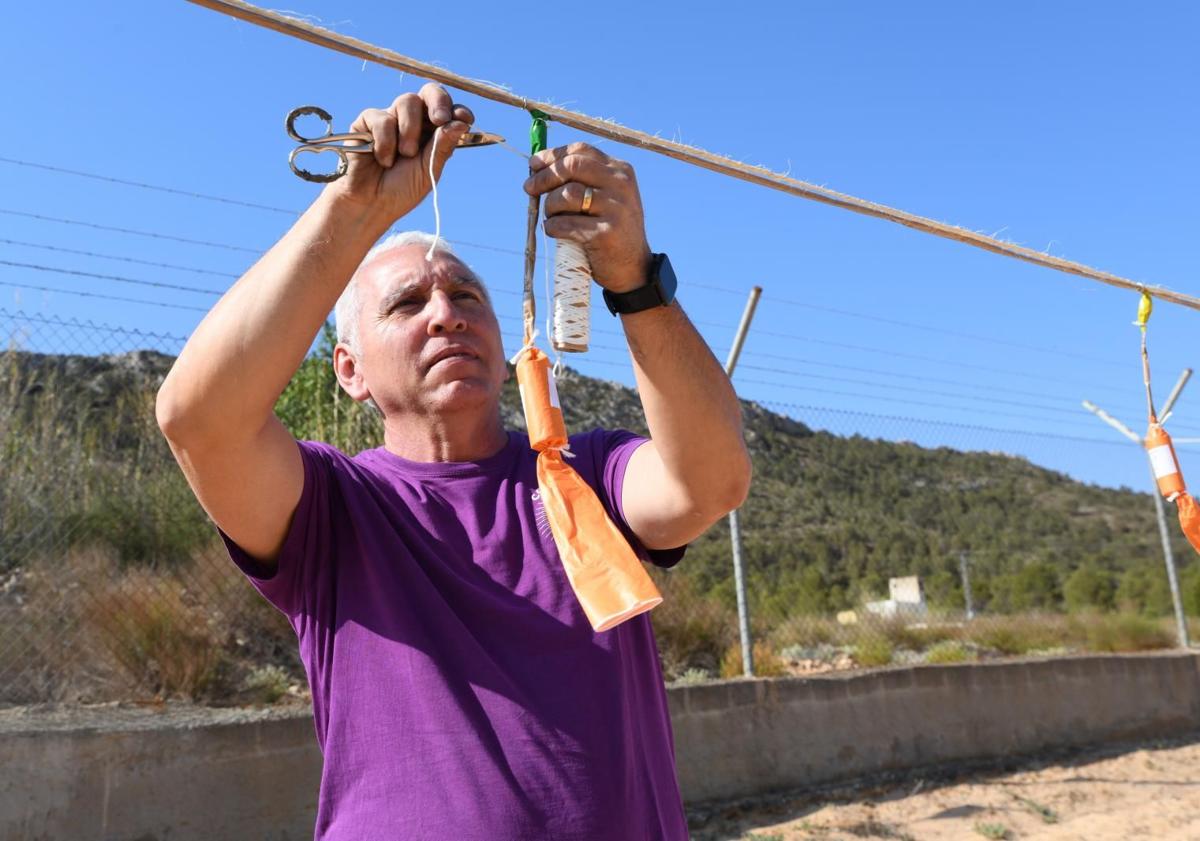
x: 406, y: 268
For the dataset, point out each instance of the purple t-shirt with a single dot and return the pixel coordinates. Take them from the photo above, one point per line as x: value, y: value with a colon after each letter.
x: 458, y: 689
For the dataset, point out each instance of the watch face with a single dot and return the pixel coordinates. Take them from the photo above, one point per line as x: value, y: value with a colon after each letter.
x: 666, y: 280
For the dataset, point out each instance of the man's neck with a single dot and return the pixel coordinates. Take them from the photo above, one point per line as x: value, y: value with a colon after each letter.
x: 460, y: 437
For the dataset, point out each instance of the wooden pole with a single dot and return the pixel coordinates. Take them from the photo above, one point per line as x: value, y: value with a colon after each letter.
x: 689, y: 154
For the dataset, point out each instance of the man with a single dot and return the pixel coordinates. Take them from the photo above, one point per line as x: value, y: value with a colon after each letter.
x: 458, y: 690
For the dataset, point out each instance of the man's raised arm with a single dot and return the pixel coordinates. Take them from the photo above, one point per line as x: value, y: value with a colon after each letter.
x: 216, y: 405
x: 695, y: 468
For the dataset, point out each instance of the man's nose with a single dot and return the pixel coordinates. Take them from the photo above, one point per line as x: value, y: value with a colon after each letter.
x: 444, y: 315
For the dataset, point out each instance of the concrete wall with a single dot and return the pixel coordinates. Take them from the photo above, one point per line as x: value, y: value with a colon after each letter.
x: 177, y: 775
x: 749, y: 737
x: 118, y: 775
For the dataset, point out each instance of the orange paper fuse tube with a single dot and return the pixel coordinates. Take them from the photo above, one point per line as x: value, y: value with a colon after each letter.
x: 1170, y: 482
x: 606, y: 575
x: 1164, y: 462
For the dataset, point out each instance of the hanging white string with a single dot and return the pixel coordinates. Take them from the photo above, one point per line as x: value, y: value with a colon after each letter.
x: 437, y: 215
x: 557, y: 370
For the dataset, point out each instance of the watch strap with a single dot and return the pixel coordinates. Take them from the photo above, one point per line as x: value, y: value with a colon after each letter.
x: 644, y: 297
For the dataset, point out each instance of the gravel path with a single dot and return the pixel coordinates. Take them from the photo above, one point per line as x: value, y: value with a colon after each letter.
x: 1149, y: 792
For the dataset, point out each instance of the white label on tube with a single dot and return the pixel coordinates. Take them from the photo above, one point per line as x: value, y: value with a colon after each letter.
x: 553, y: 389
x: 1162, y: 461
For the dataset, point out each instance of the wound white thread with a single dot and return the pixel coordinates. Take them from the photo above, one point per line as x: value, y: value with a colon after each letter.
x: 572, y: 297
x: 437, y: 215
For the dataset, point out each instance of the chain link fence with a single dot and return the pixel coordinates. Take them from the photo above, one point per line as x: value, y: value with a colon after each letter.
x: 867, y: 541
x: 871, y: 540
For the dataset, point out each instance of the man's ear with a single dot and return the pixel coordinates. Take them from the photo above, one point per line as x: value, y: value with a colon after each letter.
x: 349, y: 372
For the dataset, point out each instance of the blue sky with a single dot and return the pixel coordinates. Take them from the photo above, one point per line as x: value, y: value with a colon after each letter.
x: 1068, y: 126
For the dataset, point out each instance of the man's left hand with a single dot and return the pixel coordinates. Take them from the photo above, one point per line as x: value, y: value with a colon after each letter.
x: 612, y: 231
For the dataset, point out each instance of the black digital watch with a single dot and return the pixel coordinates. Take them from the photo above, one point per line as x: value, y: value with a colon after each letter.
x: 659, y: 290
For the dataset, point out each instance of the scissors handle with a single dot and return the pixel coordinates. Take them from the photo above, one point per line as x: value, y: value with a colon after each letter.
x: 337, y: 143
x: 327, y: 142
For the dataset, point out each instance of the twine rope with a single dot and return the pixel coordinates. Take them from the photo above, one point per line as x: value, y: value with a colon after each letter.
x: 689, y: 154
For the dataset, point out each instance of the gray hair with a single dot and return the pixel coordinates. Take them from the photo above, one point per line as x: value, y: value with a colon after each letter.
x: 349, y: 305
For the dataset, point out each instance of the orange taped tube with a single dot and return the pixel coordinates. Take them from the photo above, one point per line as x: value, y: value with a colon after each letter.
x: 1164, y: 462
x: 606, y: 575
x: 1169, y: 477
x: 539, y: 399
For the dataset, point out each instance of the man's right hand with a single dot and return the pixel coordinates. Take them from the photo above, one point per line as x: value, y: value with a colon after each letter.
x: 395, y: 179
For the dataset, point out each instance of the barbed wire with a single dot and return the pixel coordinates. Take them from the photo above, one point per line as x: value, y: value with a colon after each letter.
x: 123, y: 259
x: 102, y: 296
x: 115, y: 278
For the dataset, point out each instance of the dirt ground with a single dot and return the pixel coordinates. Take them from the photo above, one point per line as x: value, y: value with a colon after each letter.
x: 1145, y: 792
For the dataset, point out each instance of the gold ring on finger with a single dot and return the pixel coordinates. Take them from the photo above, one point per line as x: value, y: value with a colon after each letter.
x: 587, y: 200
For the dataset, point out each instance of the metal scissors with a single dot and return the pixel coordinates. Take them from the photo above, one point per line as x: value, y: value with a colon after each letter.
x: 340, y: 144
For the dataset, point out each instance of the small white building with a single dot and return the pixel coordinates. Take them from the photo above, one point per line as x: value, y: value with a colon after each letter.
x: 907, y: 599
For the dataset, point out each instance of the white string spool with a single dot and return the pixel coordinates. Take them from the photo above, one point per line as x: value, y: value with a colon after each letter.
x: 572, y: 298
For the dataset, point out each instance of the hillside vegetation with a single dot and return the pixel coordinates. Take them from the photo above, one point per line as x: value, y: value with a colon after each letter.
x: 88, y: 482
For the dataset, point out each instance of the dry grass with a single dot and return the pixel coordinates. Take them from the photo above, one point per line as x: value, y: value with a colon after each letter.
x: 89, y: 628
x: 693, y: 631
x: 766, y: 662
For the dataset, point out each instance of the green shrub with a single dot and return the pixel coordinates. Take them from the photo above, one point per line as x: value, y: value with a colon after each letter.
x: 950, y: 651
x: 1089, y: 588
x: 1018, y: 635
x: 873, y: 651
x: 1127, y: 632
x: 267, y: 684
x: 1145, y: 590
x: 693, y: 676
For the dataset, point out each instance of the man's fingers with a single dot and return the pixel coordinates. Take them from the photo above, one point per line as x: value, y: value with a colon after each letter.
x: 410, y: 123
x: 580, y: 229
x: 585, y: 169
x: 569, y: 199
x: 437, y: 102
x: 382, y: 126
x: 548, y: 156
x: 464, y: 114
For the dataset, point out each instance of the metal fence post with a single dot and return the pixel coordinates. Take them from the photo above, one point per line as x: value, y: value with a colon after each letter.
x: 735, y: 531
x: 1164, y: 533
x: 966, y: 584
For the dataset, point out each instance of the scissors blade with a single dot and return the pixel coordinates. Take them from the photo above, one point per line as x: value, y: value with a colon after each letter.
x: 479, y: 138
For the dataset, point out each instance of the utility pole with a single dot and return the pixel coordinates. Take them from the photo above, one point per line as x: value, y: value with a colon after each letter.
x: 735, y: 531
x: 966, y: 584
x: 1159, y: 507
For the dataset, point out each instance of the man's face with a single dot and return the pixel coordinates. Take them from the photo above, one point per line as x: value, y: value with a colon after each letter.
x: 429, y: 341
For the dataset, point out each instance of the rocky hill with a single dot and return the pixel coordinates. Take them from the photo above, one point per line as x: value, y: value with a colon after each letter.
x: 829, y: 518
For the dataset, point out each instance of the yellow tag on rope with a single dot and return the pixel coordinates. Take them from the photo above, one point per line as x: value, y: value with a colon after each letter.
x: 1144, y: 308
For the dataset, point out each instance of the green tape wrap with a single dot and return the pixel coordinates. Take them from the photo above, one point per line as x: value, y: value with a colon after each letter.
x: 537, y: 131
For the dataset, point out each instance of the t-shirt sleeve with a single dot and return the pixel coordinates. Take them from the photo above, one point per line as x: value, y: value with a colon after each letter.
x: 612, y: 451
x: 307, y: 554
